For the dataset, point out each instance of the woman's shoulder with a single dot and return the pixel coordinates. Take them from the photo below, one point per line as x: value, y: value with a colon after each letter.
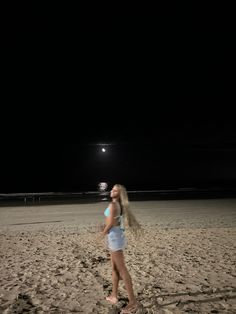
x: 112, y: 205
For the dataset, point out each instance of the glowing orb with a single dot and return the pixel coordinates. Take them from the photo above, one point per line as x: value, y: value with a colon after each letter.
x: 102, y: 186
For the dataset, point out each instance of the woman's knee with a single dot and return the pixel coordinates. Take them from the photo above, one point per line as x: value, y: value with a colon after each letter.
x: 114, y: 268
x: 124, y: 273
x: 121, y: 268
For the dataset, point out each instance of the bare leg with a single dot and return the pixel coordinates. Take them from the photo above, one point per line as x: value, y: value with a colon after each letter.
x: 115, y: 278
x: 115, y: 283
x: 118, y: 259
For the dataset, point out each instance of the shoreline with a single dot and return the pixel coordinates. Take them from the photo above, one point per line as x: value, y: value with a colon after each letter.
x: 47, y: 198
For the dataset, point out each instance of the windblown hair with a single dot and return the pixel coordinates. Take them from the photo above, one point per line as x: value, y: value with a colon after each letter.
x: 129, y: 219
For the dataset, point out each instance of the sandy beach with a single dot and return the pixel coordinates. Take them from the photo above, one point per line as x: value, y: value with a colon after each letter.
x: 51, y: 260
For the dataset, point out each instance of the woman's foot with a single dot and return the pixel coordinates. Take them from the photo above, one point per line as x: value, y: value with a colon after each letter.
x: 130, y: 308
x: 111, y: 299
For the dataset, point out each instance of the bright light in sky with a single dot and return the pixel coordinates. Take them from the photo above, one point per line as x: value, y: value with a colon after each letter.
x: 103, y: 150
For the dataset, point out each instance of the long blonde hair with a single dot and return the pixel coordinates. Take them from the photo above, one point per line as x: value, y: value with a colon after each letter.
x: 129, y: 219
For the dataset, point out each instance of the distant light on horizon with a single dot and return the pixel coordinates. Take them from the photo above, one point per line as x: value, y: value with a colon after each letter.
x: 102, y: 186
x: 103, y: 150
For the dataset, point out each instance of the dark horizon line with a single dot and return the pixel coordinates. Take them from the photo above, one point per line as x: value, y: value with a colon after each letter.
x: 180, y: 189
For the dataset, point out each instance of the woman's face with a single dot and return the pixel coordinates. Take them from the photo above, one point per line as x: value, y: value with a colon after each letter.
x: 115, y: 192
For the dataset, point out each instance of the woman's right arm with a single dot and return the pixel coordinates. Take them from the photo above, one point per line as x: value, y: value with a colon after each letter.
x: 110, y: 219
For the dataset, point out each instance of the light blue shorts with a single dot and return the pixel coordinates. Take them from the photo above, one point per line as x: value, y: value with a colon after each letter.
x: 116, y: 239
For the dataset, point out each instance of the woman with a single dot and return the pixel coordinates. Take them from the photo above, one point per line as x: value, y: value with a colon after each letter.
x: 116, y: 213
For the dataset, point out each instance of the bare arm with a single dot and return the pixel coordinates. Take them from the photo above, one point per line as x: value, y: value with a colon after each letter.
x: 110, y: 219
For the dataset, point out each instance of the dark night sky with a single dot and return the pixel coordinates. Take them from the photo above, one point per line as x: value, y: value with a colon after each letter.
x: 140, y: 156
x: 157, y: 88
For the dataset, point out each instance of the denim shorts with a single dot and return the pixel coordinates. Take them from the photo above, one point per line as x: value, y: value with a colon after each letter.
x: 116, y: 239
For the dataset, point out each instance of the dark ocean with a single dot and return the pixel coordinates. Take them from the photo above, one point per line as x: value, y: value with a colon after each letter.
x: 30, y: 199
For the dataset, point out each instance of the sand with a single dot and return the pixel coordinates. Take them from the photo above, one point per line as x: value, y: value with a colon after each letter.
x: 51, y: 260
